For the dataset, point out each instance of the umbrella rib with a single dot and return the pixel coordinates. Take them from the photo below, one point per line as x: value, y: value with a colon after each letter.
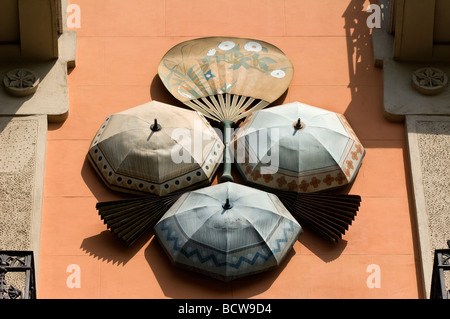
x: 176, y: 142
x: 208, y: 195
x: 325, y: 148
x: 312, y: 127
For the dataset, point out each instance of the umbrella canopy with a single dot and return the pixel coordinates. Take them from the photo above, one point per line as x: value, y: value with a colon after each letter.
x: 155, y: 148
x: 227, y: 231
x: 297, y: 147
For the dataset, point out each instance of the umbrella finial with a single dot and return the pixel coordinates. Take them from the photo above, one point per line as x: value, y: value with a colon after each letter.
x: 227, y: 205
x: 155, y: 126
x: 298, y: 125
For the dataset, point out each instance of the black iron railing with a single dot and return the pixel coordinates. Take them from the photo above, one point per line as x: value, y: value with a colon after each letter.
x: 17, y: 262
x: 440, y: 265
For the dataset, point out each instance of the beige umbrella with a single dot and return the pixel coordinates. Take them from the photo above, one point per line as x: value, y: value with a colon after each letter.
x: 155, y: 148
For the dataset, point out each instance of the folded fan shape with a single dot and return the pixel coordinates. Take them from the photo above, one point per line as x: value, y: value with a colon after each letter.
x: 226, y: 78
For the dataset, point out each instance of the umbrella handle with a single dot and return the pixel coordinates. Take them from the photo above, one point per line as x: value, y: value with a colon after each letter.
x: 227, y: 160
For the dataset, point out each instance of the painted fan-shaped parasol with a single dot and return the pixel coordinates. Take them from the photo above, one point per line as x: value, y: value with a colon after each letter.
x: 226, y: 78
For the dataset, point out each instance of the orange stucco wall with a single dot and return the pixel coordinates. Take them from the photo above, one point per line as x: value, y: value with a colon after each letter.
x: 120, y: 44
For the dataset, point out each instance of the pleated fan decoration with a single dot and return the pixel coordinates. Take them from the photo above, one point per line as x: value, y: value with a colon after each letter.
x: 327, y: 215
x: 129, y: 219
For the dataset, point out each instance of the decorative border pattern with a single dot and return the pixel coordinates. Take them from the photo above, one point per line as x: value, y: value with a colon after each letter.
x: 259, y: 255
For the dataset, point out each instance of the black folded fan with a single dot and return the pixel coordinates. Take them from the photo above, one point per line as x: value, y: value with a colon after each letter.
x: 328, y: 215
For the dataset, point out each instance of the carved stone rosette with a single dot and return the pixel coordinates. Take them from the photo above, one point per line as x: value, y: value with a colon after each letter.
x: 21, y: 82
x: 429, y: 80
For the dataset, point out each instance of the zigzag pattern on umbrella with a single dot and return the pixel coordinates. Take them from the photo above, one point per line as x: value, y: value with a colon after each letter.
x: 214, y: 258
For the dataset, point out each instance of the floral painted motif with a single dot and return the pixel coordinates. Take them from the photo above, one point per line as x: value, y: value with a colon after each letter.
x: 251, y: 56
x: 268, y: 178
x: 340, y: 178
x: 253, y: 46
x: 226, y: 45
x: 358, y: 148
x: 350, y: 165
x: 347, y: 172
x: 281, y: 181
x: 355, y: 156
x: 292, y: 185
x: 328, y: 180
x: 208, y: 75
x: 256, y: 174
x: 211, y: 52
x: 278, y: 74
x: 315, y: 182
x: 304, y: 185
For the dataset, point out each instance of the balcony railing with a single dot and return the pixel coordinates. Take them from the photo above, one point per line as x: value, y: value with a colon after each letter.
x: 440, y: 265
x: 17, y: 268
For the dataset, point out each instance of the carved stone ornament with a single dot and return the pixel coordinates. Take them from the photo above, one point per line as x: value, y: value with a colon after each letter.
x: 21, y: 82
x: 429, y: 80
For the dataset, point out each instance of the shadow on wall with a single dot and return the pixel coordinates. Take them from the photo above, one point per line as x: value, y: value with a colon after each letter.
x: 106, y: 247
x: 366, y: 86
x: 365, y: 111
x: 96, y: 185
x: 177, y: 283
x: 158, y: 92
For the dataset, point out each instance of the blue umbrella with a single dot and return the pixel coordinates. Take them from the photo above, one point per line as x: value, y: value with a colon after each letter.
x: 227, y: 231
